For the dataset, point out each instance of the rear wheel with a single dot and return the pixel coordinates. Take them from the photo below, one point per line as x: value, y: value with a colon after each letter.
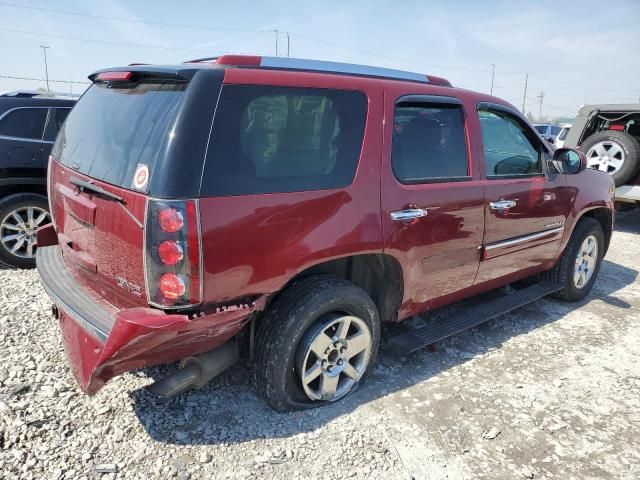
x: 317, y: 343
x: 21, y: 215
x: 615, y: 153
x: 580, y: 263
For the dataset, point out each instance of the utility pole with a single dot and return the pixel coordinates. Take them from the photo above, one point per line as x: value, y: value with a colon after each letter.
x: 276, y: 32
x: 541, y: 97
x: 46, y: 68
x: 288, y: 44
x: 524, y: 96
x: 493, y: 74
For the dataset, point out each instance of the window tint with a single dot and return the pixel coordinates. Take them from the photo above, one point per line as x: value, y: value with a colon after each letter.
x: 508, y: 146
x: 269, y: 139
x: 428, y: 143
x: 59, y: 116
x: 542, y: 129
x: 24, y: 123
x: 564, y: 133
x: 111, y: 131
x: 555, y: 131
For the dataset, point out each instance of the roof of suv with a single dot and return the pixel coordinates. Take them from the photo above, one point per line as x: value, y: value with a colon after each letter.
x: 188, y: 69
x: 610, y: 107
x: 9, y: 102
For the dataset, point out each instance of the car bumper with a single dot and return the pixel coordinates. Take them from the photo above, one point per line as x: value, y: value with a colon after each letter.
x: 628, y: 193
x: 102, y: 341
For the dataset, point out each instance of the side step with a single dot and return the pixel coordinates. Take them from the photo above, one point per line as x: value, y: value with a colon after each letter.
x: 434, y: 331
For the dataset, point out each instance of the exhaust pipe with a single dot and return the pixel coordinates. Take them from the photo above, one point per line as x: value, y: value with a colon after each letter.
x: 196, y: 371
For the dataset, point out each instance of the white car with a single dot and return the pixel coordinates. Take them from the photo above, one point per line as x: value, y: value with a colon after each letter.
x: 564, y: 131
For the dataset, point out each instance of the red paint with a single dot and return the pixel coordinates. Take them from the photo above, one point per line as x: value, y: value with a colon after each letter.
x: 114, y: 76
x: 253, y: 245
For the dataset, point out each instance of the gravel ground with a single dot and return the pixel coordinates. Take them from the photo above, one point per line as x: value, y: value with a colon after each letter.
x: 550, y: 391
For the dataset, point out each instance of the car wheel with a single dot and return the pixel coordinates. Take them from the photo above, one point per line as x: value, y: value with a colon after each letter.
x: 580, y: 263
x: 21, y: 214
x: 316, y: 344
x: 616, y: 153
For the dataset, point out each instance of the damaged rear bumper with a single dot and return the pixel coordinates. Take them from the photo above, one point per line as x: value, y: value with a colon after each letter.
x: 102, y: 341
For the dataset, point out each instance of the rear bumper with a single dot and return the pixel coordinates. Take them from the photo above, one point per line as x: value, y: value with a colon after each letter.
x: 101, y: 341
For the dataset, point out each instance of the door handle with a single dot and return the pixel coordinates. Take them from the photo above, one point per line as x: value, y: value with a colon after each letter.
x: 408, y: 214
x: 502, y: 205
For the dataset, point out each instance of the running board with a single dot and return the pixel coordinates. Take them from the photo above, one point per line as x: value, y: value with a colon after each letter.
x: 434, y: 331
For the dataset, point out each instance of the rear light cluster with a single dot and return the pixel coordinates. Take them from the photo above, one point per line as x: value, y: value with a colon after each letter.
x: 172, y: 254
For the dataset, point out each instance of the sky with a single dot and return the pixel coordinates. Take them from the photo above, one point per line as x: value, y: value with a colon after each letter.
x: 575, y: 51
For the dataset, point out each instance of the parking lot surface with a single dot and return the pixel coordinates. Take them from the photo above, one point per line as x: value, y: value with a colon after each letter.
x: 549, y: 391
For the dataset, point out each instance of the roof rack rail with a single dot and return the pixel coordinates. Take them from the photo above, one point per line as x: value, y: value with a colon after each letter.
x: 38, y: 94
x: 321, y: 66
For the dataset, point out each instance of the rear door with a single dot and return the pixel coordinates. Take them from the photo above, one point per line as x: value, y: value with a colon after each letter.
x: 432, y: 197
x: 526, y: 203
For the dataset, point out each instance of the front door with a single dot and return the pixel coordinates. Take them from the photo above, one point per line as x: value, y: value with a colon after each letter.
x: 526, y: 203
x: 432, y: 204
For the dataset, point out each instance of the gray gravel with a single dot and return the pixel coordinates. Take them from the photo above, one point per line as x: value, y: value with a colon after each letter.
x: 550, y: 391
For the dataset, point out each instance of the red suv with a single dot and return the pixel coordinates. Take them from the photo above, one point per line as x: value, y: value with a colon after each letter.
x: 285, y: 208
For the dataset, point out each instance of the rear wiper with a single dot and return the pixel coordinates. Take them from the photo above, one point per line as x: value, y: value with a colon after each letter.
x: 82, y: 186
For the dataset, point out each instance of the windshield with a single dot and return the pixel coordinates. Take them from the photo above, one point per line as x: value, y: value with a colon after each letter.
x: 113, y: 134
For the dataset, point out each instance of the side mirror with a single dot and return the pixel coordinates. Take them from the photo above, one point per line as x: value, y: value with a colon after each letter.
x: 568, y: 160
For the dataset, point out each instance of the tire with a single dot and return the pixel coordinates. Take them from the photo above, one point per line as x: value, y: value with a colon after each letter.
x: 565, y: 270
x: 626, y: 147
x: 20, y: 203
x: 285, y: 335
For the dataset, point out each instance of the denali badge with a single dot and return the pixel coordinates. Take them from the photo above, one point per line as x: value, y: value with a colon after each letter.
x: 129, y: 287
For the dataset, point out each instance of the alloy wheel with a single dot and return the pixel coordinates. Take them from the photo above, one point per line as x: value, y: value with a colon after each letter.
x: 333, y: 356
x: 18, y: 230
x: 606, y: 156
x: 586, y: 262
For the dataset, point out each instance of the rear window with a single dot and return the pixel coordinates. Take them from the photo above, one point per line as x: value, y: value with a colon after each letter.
x: 112, y: 132
x: 268, y: 139
x: 542, y: 129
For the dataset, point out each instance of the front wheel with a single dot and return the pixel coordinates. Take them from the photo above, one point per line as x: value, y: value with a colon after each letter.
x: 580, y: 263
x: 316, y: 344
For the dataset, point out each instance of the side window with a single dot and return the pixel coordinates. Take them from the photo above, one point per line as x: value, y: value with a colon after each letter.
x: 428, y: 143
x: 27, y: 123
x: 509, y: 147
x: 269, y: 139
x: 555, y: 131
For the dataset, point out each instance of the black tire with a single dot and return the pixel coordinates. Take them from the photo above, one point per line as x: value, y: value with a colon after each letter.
x: 293, y: 313
x: 630, y: 147
x: 8, y: 205
x: 563, y: 272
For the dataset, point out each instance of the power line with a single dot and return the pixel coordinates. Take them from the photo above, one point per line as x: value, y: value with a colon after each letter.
x: 108, y: 42
x: 128, y: 20
x: 15, y: 77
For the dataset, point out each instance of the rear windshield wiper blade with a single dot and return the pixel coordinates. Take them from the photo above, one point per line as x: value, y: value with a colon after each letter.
x: 82, y: 186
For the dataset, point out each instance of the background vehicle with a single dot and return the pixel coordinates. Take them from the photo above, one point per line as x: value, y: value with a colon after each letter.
x: 29, y: 123
x: 562, y: 136
x: 289, y: 207
x: 547, y: 131
x: 609, y: 135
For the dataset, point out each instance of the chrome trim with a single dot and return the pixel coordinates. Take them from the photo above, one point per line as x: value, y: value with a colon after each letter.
x: 525, y: 238
x: 502, y: 204
x: 21, y: 139
x: 338, y: 67
x: 408, y: 214
x: 85, y: 324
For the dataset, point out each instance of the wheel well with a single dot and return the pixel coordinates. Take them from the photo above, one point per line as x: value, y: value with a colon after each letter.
x: 377, y: 274
x: 604, y: 217
x: 7, y: 190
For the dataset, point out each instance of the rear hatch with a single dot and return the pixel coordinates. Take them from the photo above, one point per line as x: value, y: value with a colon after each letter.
x: 129, y: 138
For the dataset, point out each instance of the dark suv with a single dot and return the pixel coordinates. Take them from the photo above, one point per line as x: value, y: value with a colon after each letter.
x: 29, y: 123
x: 284, y: 208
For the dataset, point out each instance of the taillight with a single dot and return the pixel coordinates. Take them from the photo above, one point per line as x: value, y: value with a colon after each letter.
x: 172, y: 254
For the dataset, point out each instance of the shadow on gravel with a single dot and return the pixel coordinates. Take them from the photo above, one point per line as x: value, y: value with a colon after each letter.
x: 227, y: 410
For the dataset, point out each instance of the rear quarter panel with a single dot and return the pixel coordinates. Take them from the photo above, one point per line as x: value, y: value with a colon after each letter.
x: 254, y: 244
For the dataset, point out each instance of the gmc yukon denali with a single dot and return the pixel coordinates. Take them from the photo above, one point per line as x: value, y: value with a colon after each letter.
x: 283, y: 208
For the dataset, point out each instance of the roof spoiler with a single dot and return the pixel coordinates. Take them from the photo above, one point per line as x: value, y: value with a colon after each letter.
x: 140, y: 72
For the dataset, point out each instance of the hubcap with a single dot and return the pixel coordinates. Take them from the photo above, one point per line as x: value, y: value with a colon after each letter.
x: 585, y: 261
x: 606, y: 156
x: 18, y: 230
x: 333, y: 356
